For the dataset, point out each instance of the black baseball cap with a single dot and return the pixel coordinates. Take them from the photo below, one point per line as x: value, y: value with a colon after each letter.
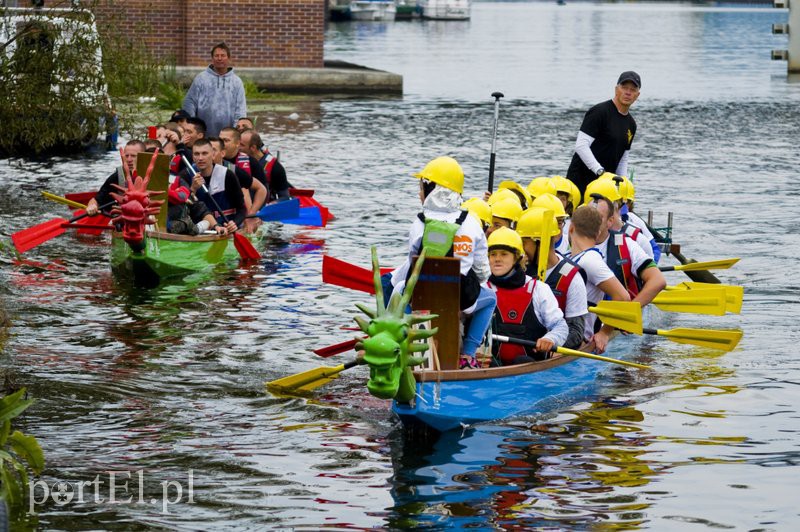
x: 180, y: 114
x: 630, y: 75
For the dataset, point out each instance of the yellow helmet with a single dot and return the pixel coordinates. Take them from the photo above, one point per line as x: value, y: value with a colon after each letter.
x: 506, y: 238
x: 531, y: 222
x: 479, y: 209
x: 575, y: 197
x: 625, y: 186
x: 502, y: 194
x: 604, y: 187
x: 522, y: 194
x: 541, y: 185
x: 509, y: 209
x: 548, y: 201
x: 444, y: 171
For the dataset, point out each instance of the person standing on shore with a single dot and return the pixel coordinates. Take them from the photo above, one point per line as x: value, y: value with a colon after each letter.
x: 606, y: 134
x: 217, y: 94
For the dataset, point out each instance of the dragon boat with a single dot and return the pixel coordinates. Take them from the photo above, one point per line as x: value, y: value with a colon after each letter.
x: 430, y: 395
x: 147, y: 255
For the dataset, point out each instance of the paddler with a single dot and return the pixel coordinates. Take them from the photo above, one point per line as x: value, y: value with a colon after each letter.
x: 600, y: 280
x: 552, y: 203
x: 563, y: 276
x: 526, y: 307
x: 631, y: 265
x: 605, y: 186
x: 443, y: 229
x: 103, y: 196
x: 480, y: 210
x: 631, y: 220
x: 505, y: 213
x: 222, y: 185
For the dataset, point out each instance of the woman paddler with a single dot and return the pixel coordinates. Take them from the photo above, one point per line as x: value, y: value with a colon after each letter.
x: 444, y: 230
x: 526, y: 307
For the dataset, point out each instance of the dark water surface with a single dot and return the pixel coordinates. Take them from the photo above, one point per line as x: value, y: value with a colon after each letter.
x: 171, y: 380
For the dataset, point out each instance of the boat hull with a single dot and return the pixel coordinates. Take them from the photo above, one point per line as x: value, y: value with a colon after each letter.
x: 373, y: 10
x: 166, y: 255
x: 448, y: 400
x: 446, y: 9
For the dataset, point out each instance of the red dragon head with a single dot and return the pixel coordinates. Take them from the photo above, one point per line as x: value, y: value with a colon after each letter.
x: 135, y: 208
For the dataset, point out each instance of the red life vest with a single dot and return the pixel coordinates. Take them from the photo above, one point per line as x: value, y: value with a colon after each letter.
x: 515, y: 316
x: 618, y: 258
x: 243, y: 162
x: 560, y: 280
x: 631, y: 231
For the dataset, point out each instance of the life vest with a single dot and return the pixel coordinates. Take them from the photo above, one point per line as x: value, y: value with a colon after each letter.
x: 631, y: 231
x: 242, y: 161
x: 216, y: 186
x: 438, y: 235
x: 515, y: 316
x: 560, y: 279
x: 618, y: 259
x: 437, y: 240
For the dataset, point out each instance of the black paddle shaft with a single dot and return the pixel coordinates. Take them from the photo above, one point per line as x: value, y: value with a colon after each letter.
x: 492, y: 157
x: 99, y: 211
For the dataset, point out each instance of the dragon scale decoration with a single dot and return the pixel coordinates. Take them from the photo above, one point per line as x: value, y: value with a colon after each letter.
x: 135, y: 208
x: 390, y: 344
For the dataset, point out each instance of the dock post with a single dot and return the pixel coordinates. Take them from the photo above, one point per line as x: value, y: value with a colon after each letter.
x: 792, y: 54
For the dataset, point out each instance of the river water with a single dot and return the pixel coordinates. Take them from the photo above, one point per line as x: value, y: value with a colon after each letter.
x: 168, y: 384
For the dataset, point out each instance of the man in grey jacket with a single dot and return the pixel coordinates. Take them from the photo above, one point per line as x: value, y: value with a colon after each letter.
x: 217, y: 94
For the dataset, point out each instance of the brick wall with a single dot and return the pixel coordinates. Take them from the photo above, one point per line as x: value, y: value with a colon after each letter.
x: 260, y: 33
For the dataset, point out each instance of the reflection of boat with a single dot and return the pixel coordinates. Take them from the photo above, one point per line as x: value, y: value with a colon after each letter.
x: 445, y: 9
x: 167, y: 255
x: 378, y: 10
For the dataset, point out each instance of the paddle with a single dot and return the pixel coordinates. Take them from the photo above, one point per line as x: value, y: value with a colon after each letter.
x: 240, y: 242
x: 726, y: 340
x: 62, y: 200
x: 710, y: 301
x: 80, y: 197
x: 38, y: 234
x: 311, y: 216
x: 277, y: 211
x: 311, y: 379
x: 629, y: 319
x: 94, y: 225
x: 733, y: 294
x: 493, y: 155
x: 567, y: 351
x: 306, y: 200
x: 341, y: 273
x: 722, y: 264
x: 335, y: 349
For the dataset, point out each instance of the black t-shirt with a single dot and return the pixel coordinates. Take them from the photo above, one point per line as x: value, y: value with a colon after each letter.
x: 103, y: 195
x: 245, y: 179
x: 613, y: 134
x: 278, y: 183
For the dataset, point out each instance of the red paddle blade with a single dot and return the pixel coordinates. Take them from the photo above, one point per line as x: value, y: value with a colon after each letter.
x: 335, y: 349
x: 245, y: 248
x: 81, y: 197
x: 38, y: 234
x: 341, y: 273
x: 93, y: 223
x: 297, y: 192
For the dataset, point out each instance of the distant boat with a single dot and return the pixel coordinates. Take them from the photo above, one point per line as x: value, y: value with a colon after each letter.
x: 407, y: 9
x: 446, y: 9
x: 378, y: 10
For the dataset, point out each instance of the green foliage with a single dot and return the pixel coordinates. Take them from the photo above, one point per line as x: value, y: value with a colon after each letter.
x: 53, y: 87
x: 251, y: 90
x: 19, y: 453
x: 169, y: 96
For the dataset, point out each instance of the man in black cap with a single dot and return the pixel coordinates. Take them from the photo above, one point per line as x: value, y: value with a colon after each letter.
x: 180, y: 117
x: 606, y: 134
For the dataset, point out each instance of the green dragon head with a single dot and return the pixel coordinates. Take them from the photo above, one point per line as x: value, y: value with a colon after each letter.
x: 390, y: 345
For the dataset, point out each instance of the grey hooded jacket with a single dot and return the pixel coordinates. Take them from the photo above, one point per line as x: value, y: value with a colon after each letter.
x: 217, y: 99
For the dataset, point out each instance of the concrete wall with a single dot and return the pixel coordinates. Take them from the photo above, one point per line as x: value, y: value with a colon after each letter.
x: 260, y: 33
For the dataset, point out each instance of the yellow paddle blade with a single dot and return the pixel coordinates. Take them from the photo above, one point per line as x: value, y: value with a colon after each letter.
x: 625, y: 315
x: 733, y: 294
x: 65, y: 201
x: 307, y: 380
x: 544, y: 244
x: 701, y: 301
x: 722, y: 264
x: 726, y: 340
x: 572, y: 352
